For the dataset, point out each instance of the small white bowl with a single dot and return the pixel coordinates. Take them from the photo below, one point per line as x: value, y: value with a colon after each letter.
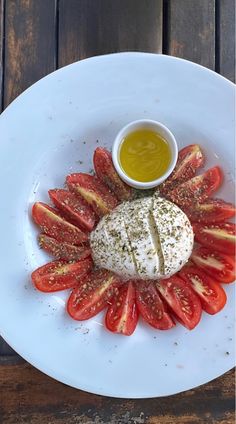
x: 158, y: 128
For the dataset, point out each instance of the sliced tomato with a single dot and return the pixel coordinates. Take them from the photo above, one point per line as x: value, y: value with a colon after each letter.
x: 216, y: 264
x: 151, y: 306
x: 92, y: 295
x: 52, y: 224
x: 74, y: 208
x: 60, y: 275
x: 122, y: 314
x: 190, y: 158
x: 182, y: 300
x: 210, y: 211
x: 212, y: 295
x: 221, y: 237
x: 63, y: 250
x: 198, y: 189
x: 106, y: 172
x: 93, y: 191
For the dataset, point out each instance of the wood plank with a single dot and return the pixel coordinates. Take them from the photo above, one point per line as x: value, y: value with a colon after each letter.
x: 191, y: 30
x: 226, y: 38
x: 30, y: 44
x: 1, y: 51
x: 5, y: 349
x: 89, y: 28
x: 29, y: 396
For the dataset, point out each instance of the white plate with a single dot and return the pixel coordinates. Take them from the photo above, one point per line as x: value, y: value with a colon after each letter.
x: 45, y: 133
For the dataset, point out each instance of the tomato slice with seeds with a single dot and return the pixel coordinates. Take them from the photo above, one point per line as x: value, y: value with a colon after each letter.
x: 74, y: 208
x: 60, y: 275
x: 106, y: 172
x: 98, y: 196
x: 190, y: 158
x: 63, y: 250
x: 52, y: 224
x: 151, y: 307
x: 216, y: 264
x: 210, y: 211
x: 198, y: 189
x: 122, y: 314
x: 182, y: 300
x: 221, y: 237
x: 92, y: 295
x: 212, y: 295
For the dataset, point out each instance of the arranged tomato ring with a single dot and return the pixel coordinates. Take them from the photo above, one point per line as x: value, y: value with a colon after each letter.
x: 198, y: 189
x: 52, y: 224
x: 190, y: 158
x: 221, y: 237
x: 94, y: 192
x: 216, y: 264
x: 92, y: 295
x: 60, y: 275
x: 122, y: 313
x: 74, y: 208
x: 181, y: 297
x: 151, y: 307
x: 182, y: 300
x: 106, y: 172
x: 63, y: 250
x: 212, y: 295
x: 210, y: 211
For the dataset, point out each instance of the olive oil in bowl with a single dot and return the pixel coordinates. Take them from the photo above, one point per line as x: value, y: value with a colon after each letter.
x: 144, y: 155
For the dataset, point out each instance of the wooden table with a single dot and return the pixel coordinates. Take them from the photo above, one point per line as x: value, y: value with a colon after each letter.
x: 37, y: 37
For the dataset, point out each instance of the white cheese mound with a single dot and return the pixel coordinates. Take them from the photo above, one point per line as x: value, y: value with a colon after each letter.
x: 148, y: 238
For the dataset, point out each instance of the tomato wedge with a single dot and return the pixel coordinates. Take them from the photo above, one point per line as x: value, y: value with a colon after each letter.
x: 60, y: 275
x: 197, y: 189
x: 92, y: 295
x: 221, y: 237
x: 52, y: 224
x: 106, y: 172
x: 210, y: 211
x: 74, y: 208
x: 63, y: 250
x: 122, y: 314
x: 151, y: 306
x: 182, y: 300
x: 212, y: 295
x: 190, y: 158
x: 93, y: 191
x: 216, y: 264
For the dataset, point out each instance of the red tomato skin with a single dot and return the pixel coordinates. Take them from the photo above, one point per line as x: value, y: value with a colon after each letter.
x: 122, y: 313
x: 204, y: 258
x: 210, y: 211
x: 151, y: 307
x: 54, y: 225
x: 212, y: 295
x: 198, y: 189
x: 190, y: 158
x: 94, y: 192
x: 63, y: 250
x: 60, y: 275
x: 211, y: 236
x: 182, y: 300
x: 73, y: 208
x: 106, y: 172
x: 92, y: 295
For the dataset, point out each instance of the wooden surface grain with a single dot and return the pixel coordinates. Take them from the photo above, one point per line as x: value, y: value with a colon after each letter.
x: 30, y: 44
x: 88, y: 28
x: 191, y: 31
x: 226, y: 38
x: 36, y: 37
x: 28, y: 396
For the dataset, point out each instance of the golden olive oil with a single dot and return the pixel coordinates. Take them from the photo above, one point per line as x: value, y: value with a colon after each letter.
x: 144, y: 155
